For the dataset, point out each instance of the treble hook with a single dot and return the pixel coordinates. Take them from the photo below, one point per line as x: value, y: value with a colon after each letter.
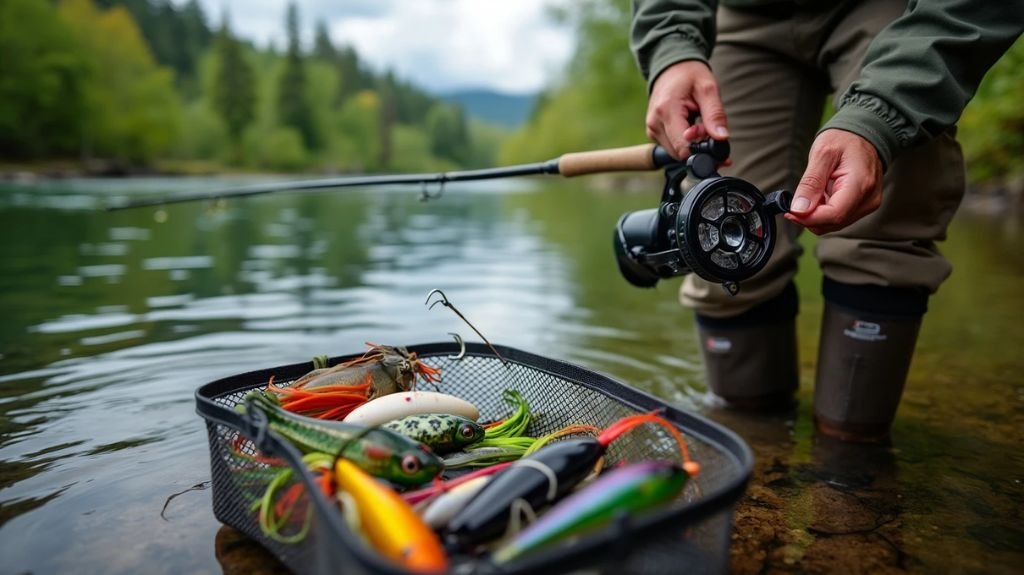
x: 444, y: 301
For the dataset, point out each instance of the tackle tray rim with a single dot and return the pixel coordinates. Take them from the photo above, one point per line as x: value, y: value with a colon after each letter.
x: 604, y: 541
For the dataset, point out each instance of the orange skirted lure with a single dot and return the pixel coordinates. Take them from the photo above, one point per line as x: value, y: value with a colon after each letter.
x: 389, y: 523
x: 333, y: 392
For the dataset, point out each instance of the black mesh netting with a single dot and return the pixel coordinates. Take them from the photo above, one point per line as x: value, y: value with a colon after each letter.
x: 689, y: 536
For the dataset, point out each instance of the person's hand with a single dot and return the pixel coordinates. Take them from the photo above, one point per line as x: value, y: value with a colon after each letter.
x: 681, y: 89
x: 842, y: 183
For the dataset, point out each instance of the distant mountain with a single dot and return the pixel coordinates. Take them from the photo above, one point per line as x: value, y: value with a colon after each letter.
x: 509, y: 110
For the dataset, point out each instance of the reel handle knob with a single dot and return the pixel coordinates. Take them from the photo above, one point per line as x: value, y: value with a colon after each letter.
x: 778, y: 202
x: 717, y: 149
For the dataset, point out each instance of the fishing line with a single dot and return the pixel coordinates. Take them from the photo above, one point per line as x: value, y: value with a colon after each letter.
x: 519, y: 510
x: 546, y: 471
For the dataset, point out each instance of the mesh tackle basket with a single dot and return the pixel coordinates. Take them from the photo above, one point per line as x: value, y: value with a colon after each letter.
x: 691, y: 535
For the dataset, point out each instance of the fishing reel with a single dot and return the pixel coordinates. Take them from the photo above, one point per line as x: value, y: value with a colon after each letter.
x: 722, y: 228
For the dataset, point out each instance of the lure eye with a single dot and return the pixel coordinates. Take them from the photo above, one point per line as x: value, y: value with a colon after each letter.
x: 410, y: 464
x: 467, y: 432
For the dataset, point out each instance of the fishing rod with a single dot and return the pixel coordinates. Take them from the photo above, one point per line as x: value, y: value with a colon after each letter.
x: 644, y: 157
x: 721, y: 228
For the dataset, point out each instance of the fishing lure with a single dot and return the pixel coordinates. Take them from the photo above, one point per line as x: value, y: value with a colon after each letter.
x: 380, y: 452
x: 439, y: 487
x: 541, y: 479
x: 627, y: 490
x: 402, y: 404
x: 441, y: 432
x: 388, y: 522
x: 333, y: 392
x: 389, y: 369
x: 441, y: 509
x: 496, y: 449
x: 483, y: 456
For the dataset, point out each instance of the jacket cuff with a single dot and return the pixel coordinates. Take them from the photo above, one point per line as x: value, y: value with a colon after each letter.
x: 876, y: 121
x: 681, y: 45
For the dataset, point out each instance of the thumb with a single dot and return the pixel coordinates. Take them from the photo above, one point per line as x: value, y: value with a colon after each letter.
x: 711, y: 109
x: 812, y: 185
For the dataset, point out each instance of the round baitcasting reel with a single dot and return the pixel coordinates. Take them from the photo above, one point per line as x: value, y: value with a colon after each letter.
x: 722, y: 229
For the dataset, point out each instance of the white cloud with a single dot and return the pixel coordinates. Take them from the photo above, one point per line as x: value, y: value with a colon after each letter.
x: 438, y: 44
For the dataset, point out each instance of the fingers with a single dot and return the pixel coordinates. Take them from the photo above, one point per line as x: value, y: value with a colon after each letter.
x: 667, y: 124
x: 705, y: 92
x: 837, y: 211
x: 811, y: 189
x: 681, y: 91
x: 842, y: 183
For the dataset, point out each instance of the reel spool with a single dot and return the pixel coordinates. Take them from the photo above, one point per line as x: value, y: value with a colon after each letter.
x: 722, y: 229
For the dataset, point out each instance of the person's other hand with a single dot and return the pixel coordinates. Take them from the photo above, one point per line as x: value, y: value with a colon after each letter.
x: 842, y: 183
x: 681, y: 89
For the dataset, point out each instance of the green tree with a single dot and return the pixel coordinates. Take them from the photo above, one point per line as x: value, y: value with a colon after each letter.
x: 177, y: 36
x: 292, y: 105
x: 387, y: 118
x: 448, y: 133
x: 357, y: 147
x: 234, y: 89
x: 992, y: 127
x: 131, y: 108
x: 354, y: 76
x: 42, y: 80
x: 322, y: 46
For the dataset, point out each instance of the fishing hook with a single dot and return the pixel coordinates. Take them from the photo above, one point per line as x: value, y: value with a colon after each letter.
x: 462, y: 346
x: 444, y: 301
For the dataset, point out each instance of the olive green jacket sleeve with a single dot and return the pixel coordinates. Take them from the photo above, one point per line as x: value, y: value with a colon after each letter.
x: 922, y: 70
x: 665, y: 32
x: 919, y: 72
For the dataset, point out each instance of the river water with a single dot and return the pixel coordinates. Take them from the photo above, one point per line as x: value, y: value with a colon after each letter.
x: 111, y: 320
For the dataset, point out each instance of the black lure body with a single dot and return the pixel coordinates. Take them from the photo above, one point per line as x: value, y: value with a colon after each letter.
x: 538, y: 480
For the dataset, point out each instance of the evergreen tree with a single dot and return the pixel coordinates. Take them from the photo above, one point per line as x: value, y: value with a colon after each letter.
x: 322, y: 47
x: 177, y: 37
x: 388, y: 117
x: 448, y: 133
x: 292, y: 105
x: 234, y: 89
x: 354, y: 77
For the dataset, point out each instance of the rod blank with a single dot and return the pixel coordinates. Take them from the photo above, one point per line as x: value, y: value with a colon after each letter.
x: 633, y: 158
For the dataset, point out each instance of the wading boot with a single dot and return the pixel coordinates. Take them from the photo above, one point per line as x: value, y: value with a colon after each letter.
x: 750, y: 360
x: 868, y: 335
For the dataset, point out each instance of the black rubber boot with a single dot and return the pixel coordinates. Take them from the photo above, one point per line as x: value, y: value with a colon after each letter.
x: 750, y: 360
x: 868, y: 335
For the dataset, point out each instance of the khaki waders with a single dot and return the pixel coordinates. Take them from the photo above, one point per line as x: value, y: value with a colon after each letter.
x: 775, y: 67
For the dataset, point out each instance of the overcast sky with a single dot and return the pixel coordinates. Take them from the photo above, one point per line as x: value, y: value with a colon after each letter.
x: 441, y: 45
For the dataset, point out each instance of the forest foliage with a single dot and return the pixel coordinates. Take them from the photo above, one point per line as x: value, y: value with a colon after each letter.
x: 601, y: 101
x: 153, y: 83
x: 147, y: 83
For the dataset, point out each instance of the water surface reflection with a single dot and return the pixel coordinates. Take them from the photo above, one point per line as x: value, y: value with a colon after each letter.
x: 112, y: 320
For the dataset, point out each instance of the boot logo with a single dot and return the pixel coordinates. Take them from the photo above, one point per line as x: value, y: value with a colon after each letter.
x: 718, y: 344
x: 865, y: 331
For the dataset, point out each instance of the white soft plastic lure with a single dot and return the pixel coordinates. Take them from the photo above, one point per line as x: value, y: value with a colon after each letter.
x: 441, y: 510
x: 398, y: 405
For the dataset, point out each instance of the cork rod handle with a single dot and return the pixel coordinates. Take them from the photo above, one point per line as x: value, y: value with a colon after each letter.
x: 631, y: 159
